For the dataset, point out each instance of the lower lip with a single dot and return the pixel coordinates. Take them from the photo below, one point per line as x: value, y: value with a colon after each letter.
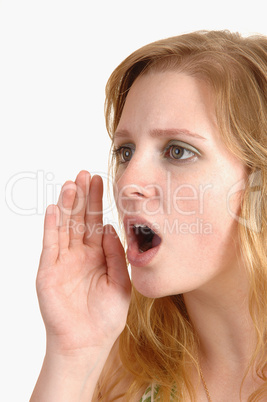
x: 138, y: 259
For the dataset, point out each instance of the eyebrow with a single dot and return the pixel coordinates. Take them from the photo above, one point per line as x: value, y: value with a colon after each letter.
x: 155, y: 133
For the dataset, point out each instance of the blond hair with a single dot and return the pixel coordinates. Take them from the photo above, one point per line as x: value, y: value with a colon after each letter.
x: 159, y: 341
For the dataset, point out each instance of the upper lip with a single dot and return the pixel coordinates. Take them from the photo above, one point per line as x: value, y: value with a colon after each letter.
x: 129, y: 222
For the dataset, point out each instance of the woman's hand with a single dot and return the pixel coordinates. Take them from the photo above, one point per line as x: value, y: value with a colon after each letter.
x: 83, y: 284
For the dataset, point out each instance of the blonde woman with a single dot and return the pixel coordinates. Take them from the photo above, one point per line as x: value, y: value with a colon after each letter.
x: 187, y: 120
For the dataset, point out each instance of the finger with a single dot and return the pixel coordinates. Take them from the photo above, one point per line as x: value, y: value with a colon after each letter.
x: 77, y: 222
x: 50, y: 240
x: 115, y: 257
x: 65, y: 204
x: 94, y: 216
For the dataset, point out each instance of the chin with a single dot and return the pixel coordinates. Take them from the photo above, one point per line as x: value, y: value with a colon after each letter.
x: 154, y: 288
x: 151, y: 289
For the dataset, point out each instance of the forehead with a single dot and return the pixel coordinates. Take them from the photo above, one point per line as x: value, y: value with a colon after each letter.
x: 168, y: 100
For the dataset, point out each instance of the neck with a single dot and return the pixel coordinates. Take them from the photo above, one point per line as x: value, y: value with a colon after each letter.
x: 220, y: 315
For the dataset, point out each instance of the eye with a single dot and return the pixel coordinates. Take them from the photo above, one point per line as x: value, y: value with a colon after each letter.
x: 180, y: 151
x: 123, y: 154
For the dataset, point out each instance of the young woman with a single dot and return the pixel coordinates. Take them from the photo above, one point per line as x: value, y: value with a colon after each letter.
x: 187, y: 119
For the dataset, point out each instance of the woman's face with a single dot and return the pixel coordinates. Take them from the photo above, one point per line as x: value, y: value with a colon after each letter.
x: 174, y: 176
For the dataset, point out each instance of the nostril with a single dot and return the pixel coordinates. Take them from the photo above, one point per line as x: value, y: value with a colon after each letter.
x: 138, y: 194
x: 125, y: 191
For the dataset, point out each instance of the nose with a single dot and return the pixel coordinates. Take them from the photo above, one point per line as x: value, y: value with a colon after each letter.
x: 138, y: 183
x: 139, y: 191
x: 139, y: 179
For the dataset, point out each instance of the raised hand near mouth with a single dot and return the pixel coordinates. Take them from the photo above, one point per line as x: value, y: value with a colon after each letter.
x: 83, y: 289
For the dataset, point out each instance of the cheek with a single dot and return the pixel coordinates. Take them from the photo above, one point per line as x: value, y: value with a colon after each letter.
x: 188, y: 200
x: 193, y: 203
x: 202, y: 209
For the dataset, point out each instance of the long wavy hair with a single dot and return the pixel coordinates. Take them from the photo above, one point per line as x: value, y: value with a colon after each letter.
x: 159, y: 343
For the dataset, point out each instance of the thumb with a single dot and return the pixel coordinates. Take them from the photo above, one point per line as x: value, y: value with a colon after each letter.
x: 115, y: 258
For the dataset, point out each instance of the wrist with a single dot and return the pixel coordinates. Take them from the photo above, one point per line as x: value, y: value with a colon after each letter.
x: 72, y: 347
x: 76, y: 361
x: 69, y: 377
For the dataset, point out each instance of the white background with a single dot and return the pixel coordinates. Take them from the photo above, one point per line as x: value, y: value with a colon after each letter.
x: 55, y: 57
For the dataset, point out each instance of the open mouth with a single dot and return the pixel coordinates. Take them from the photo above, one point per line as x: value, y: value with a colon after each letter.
x: 146, y: 238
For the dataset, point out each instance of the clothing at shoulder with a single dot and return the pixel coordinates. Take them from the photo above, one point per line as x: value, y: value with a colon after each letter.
x: 150, y: 394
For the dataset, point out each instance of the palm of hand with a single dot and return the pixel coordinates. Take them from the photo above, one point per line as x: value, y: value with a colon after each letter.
x: 83, y: 284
